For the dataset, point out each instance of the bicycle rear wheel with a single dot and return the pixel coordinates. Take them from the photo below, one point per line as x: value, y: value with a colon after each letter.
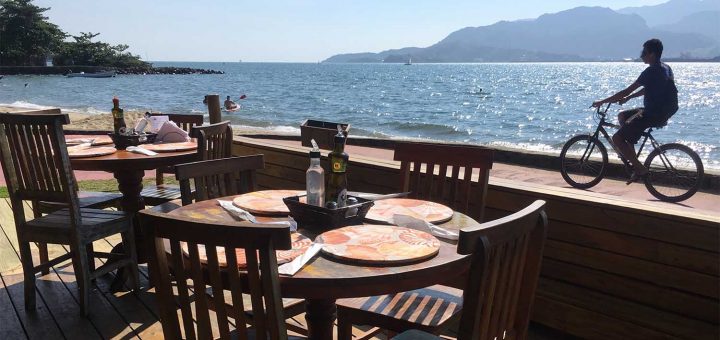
x: 676, y: 172
x: 583, y: 161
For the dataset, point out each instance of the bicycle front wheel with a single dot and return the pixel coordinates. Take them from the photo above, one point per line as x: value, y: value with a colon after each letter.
x: 583, y: 161
x: 676, y: 172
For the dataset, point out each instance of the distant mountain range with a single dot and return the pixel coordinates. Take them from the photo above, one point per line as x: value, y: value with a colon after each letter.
x: 688, y: 29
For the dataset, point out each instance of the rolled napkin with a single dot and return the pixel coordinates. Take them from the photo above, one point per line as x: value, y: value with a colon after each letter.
x: 295, y: 265
x: 141, y: 150
x: 171, y: 133
x: 247, y: 216
x: 422, y: 225
x: 81, y: 146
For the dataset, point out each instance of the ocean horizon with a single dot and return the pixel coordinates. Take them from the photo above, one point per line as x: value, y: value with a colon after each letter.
x: 528, y: 106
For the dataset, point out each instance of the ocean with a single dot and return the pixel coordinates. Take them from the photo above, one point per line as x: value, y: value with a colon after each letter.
x: 530, y: 106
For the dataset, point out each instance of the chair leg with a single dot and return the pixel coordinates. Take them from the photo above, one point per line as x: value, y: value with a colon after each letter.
x: 128, y: 239
x: 344, y: 327
x: 28, y: 274
x: 82, y: 275
x: 44, y: 257
x: 90, y: 256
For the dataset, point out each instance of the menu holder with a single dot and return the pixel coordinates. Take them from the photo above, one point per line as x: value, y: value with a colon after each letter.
x: 378, y: 244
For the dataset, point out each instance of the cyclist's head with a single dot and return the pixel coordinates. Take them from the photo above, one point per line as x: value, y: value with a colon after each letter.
x: 654, y: 46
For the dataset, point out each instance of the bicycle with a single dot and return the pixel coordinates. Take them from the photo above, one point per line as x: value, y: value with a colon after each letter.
x: 676, y: 171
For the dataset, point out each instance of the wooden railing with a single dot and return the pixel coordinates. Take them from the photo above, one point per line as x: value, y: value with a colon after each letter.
x: 612, y: 268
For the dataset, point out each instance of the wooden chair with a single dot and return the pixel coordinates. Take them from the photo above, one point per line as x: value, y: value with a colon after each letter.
x: 196, y: 319
x: 37, y: 167
x: 224, y: 177
x: 418, y: 162
x: 214, y: 141
x: 497, y: 298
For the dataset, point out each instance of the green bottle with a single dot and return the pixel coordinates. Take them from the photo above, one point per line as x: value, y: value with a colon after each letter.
x: 118, y: 116
x: 336, y: 188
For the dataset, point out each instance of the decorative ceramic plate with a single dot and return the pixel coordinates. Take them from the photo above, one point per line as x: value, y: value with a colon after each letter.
x: 100, y: 140
x: 378, y: 244
x: 383, y: 210
x: 300, y: 244
x: 267, y: 202
x: 78, y: 152
x: 171, y: 147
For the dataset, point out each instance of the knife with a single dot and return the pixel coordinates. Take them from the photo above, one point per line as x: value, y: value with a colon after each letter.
x: 375, y: 197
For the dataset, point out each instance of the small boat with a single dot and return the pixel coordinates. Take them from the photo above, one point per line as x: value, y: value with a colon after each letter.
x: 108, y: 74
x: 409, y: 62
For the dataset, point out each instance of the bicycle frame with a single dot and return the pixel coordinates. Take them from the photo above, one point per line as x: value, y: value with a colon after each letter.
x: 647, y: 135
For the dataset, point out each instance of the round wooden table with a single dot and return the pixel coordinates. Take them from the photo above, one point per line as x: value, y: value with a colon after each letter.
x: 323, y: 280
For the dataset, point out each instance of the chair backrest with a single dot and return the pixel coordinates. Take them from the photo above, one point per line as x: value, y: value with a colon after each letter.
x: 259, y: 243
x: 214, y: 140
x: 418, y: 162
x: 503, y: 274
x: 184, y: 121
x: 218, y: 177
x: 35, y: 160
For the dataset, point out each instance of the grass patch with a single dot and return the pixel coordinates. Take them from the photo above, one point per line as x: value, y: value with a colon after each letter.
x: 102, y: 185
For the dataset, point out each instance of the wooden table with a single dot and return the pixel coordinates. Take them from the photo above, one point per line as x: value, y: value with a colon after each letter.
x: 324, y: 280
x: 128, y: 169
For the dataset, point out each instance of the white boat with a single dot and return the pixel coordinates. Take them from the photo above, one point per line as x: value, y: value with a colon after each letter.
x: 108, y: 74
x: 409, y: 62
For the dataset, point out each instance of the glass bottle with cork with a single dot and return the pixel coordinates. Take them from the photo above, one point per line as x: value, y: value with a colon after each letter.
x: 118, y: 117
x: 315, y: 178
x: 336, y: 188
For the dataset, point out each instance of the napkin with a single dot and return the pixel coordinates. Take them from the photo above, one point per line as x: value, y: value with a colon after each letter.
x: 141, y: 150
x: 171, y: 133
x: 156, y: 122
x: 295, y: 265
x: 418, y: 224
x: 247, y: 216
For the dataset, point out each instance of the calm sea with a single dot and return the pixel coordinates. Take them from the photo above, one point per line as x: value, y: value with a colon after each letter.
x: 529, y: 106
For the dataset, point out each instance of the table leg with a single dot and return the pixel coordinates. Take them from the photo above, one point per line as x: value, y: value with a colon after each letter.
x: 320, y: 315
x: 130, y: 185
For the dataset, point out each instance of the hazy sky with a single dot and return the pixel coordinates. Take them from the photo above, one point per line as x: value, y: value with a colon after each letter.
x: 288, y: 30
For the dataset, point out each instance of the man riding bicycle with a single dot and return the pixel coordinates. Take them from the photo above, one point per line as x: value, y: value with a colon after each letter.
x: 660, y: 102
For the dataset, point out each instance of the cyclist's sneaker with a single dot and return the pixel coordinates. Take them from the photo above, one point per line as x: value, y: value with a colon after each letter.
x: 637, y: 175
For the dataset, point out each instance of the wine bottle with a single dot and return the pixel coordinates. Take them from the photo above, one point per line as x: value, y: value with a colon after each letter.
x: 118, y: 116
x: 336, y: 188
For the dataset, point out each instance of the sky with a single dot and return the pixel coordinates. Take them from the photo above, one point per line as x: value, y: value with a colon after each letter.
x: 288, y: 30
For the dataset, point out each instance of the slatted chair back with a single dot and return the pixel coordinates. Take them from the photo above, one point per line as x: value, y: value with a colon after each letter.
x: 35, y: 160
x: 259, y: 243
x: 184, y: 121
x: 214, y: 140
x: 218, y: 178
x: 503, y: 276
x: 418, y: 164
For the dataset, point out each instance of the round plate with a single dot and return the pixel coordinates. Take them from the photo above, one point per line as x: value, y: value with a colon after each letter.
x: 90, y: 151
x: 383, y: 210
x: 99, y: 140
x: 378, y: 244
x: 171, y: 147
x: 300, y: 244
x: 267, y: 202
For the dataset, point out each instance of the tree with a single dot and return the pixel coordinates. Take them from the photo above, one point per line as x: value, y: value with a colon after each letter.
x: 26, y: 37
x: 84, y: 51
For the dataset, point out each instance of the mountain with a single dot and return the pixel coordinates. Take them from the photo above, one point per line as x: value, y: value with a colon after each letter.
x: 579, y: 34
x: 671, y: 11
x: 706, y: 23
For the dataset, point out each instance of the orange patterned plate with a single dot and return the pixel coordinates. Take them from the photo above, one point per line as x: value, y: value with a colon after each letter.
x: 78, y: 152
x: 99, y: 140
x: 300, y: 244
x: 267, y: 202
x: 171, y: 147
x: 378, y: 244
x: 383, y: 210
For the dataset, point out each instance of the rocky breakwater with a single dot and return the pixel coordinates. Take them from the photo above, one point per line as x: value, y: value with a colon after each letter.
x: 166, y: 70
x: 63, y: 70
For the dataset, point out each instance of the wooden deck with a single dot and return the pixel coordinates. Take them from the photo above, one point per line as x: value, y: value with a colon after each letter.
x: 57, y: 315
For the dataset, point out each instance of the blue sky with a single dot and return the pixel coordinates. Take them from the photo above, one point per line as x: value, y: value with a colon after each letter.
x: 287, y: 30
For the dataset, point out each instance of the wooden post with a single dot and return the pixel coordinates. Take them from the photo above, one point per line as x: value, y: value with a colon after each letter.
x: 213, y: 103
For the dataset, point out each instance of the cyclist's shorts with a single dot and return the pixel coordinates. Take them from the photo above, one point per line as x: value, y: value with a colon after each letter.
x: 635, y: 124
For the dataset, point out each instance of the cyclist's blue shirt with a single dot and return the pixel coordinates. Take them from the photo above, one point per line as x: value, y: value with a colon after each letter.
x: 660, y: 91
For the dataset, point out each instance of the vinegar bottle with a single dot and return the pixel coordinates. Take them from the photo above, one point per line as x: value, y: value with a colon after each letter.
x: 118, y: 116
x: 337, y: 182
x: 315, y: 179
